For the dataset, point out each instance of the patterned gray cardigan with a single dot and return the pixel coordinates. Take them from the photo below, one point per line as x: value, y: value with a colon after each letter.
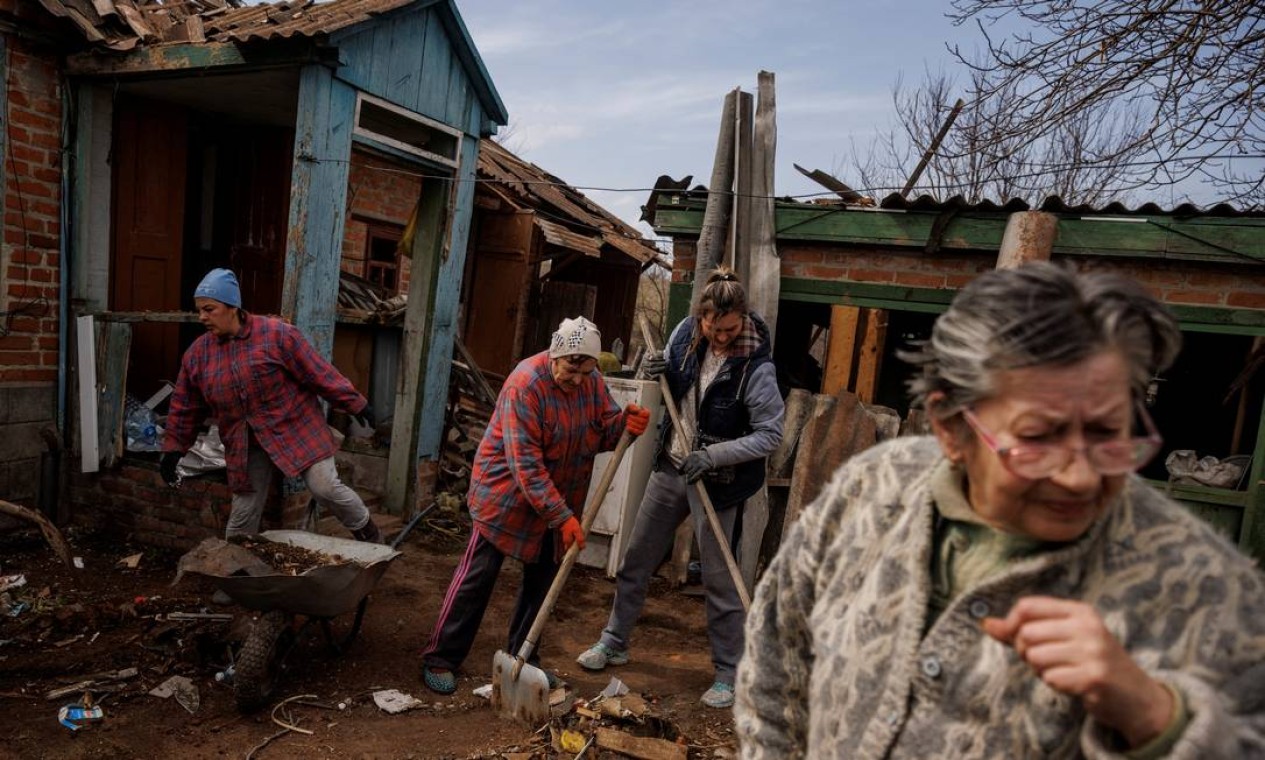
x: 836, y: 665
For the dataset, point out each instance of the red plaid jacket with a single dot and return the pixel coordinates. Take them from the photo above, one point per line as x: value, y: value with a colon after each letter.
x: 533, y: 465
x: 266, y: 380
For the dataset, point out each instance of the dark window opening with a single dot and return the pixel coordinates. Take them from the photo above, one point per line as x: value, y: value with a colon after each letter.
x: 382, y: 255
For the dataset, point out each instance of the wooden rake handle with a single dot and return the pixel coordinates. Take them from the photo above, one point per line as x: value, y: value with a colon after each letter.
x: 568, y: 561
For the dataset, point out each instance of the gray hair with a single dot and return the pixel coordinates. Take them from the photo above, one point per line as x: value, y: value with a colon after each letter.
x: 1039, y: 314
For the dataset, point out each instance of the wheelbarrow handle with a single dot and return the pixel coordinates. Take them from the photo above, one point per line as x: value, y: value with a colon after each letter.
x: 568, y: 561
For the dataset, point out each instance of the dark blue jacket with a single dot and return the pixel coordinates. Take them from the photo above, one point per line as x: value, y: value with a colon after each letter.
x: 739, y: 415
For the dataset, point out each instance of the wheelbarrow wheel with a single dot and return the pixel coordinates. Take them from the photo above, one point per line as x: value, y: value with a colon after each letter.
x: 260, y: 660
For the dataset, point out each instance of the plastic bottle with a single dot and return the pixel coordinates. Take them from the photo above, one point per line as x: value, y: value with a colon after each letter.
x: 225, y: 675
x: 142, y: 429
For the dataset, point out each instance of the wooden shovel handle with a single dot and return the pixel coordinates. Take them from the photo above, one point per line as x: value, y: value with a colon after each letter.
x: 590, y: 513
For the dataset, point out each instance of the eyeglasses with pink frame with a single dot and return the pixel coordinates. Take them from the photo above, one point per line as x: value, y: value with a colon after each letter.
x: 1034, y: 461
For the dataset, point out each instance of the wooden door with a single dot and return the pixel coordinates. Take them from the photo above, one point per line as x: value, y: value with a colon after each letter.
x: 498, y: 290
x: 259, y: 205
x: 150, y: 173
x: 557, y: 301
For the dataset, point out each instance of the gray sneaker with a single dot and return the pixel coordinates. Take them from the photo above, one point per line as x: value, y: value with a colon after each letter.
x: 721, y: 695
x: 598, y: 656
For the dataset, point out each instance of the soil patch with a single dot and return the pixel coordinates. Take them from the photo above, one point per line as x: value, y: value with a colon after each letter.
x: 73, y: 625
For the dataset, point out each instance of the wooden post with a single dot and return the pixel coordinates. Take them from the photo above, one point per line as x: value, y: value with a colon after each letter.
x: 715, y: 227
x: 1029, y: 236
x: 740, y: 246
x: 841, y: 349
x: 870, y: 360
x: 764, y: 283
x: 932, y: 148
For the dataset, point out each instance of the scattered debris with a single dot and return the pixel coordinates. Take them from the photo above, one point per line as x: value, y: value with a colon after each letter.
x: 616, y: 688
x: 78, y: 562
x: 51, y: 534
x: 183, y: 689
x: 287, y: 558
x: 395, y: 701
x: 484, y: 691
x: 80, y: 711
x: 8, y: 582
x: 194, y: 616
x: 131, y: 562
x: 94, y: 681
x: 642, y: 747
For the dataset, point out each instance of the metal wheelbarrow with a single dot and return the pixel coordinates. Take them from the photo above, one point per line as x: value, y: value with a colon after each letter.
x: 316, y: 595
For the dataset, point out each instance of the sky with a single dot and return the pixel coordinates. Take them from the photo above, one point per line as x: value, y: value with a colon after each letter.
x: 613, y: 94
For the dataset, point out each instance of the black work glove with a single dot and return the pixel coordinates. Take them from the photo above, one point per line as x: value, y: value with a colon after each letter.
x: 366, y: 417
x: 695, y: 465
x: 653, y: 364
x: 167, y: 466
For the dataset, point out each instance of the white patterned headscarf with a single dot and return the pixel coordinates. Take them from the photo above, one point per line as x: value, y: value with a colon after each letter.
x: 576, y: 336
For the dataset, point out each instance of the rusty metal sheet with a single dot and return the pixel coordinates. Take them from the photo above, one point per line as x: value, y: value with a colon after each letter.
x: 556, y: 234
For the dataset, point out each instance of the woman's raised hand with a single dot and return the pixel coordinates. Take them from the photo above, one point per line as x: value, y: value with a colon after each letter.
x: 1072, y: 651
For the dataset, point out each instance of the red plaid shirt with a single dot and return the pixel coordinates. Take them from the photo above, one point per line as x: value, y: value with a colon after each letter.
x: 533, y: 466
x: 265, y: 382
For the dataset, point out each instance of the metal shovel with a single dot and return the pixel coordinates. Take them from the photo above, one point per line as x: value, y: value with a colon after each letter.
x: 520, y: 690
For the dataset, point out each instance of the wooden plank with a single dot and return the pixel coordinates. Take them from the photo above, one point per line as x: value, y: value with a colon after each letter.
x: 437, y: 64
x: 404, y: 81
x: 764, y: 283
x: 318, y: 204
x: 715, y: 221
x: 418, y: 329
x: 870, y: 357
x: 641, y: 747
x: 114, y: 345
x: 146, y: 316
x: 89, y: 456
x: 838, y: 429
x: 799, y: 405
x: 845, y: 322
x: 740, y: 235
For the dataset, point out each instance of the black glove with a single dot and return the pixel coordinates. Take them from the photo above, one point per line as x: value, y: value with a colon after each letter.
x: 695, y: 465
x: 366, y: 417
x: 167, y: 466
x: 653, y: 364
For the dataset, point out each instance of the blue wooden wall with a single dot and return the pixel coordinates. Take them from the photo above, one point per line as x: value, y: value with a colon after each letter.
x: 410, y: 59
x: 318, y: 203
x: 419, y: 58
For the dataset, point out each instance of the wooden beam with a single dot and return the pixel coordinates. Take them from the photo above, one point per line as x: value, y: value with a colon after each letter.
x: 764, y: 283
x: 870, y: 358
x: 841, y: 349
x: 1029, y: 237
x: 200, y: 57
x: 641, y: 747
x: 715, y: 219
x: 89, y: 456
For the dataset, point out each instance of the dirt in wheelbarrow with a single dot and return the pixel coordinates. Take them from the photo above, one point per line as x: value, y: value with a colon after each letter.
x: 68, y: 626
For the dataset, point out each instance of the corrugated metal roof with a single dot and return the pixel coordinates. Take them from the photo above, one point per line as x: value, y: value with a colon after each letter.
x: 569, y: 210
x: 556, y: 234
x: 666, y: 187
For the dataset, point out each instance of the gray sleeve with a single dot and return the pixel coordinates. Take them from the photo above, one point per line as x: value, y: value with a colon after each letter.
x: 764, y: 402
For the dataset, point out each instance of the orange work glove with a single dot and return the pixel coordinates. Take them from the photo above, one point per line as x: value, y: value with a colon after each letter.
x: 572, y: 533
x: 636, y: 419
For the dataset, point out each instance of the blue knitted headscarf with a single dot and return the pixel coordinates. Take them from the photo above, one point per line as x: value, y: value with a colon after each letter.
x: 220, y: 284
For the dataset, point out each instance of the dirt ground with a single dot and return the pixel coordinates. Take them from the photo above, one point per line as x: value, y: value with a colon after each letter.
x: 105, y: 618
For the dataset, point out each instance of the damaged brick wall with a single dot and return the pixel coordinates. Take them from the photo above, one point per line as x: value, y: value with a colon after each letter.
x: 30, y: 185
x: 381, y: 191
x: 134, y: 503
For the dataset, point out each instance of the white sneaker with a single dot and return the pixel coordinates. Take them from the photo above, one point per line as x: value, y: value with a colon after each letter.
x: 598, y: 656
x: 721, y: 695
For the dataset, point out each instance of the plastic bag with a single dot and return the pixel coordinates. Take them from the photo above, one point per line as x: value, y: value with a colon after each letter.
x: 142, y: 429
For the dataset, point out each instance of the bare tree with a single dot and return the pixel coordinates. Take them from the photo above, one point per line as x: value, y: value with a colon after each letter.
x: 986, y: 155
x: 1192, y: 70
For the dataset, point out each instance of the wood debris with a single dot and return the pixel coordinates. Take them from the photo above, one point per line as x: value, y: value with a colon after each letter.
x: 285, y: 558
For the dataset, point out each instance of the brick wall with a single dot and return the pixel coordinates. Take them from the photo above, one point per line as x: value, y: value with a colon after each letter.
x: 378, y: 190
x: 30, y: 186
x: 32, y: 195
x: 1187, y: 283
x: 133, y: 502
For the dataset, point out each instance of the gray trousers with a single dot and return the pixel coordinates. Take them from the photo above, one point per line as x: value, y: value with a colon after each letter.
x: 667, y: 502
x: 322, y: 480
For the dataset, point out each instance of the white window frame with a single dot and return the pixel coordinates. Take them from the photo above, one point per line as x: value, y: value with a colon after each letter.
x: 362, y: 98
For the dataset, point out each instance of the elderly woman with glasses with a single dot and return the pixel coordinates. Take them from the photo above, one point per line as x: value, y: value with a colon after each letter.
x: 553, y: 415
x: 1008, y: 587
